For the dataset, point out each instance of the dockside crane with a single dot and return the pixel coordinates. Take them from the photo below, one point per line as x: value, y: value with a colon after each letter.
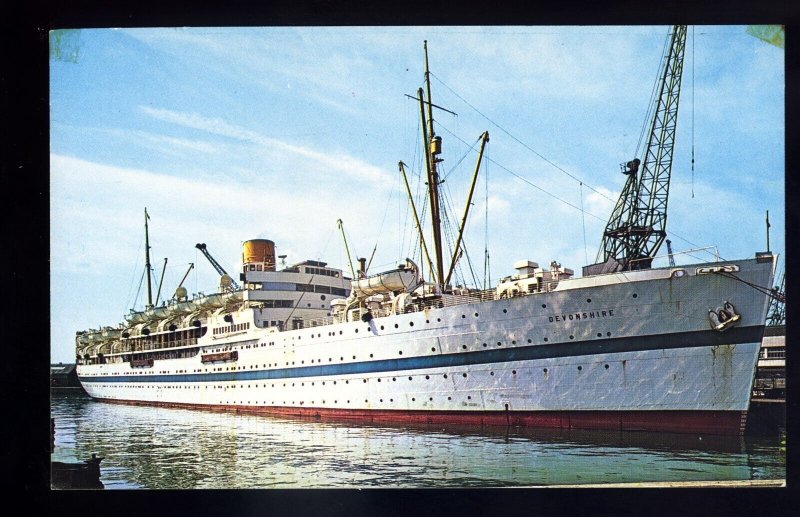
x: 637, y: 226
x: 202, y: 247
x: 776, y: 314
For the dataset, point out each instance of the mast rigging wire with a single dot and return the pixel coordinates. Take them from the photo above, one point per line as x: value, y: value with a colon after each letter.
x: 501, y: 128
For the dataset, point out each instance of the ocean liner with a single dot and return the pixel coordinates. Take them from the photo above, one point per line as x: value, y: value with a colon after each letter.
x: 624, y: 346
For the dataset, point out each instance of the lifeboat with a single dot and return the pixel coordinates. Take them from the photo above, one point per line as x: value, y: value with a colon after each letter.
x: 403, y: 279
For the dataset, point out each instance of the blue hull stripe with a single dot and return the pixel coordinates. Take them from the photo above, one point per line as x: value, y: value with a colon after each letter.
x: 520, y: 353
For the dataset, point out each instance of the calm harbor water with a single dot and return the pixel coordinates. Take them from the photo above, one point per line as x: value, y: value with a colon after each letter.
x: 159, y: 448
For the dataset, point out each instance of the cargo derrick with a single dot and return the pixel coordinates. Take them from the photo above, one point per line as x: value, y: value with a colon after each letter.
x: 637, y: 226
x: 225, y: 279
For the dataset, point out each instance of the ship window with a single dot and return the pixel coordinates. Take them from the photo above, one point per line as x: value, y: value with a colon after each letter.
x: 252, y: 267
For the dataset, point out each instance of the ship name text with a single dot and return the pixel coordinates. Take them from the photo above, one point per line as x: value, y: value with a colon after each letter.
x: 562, y: 318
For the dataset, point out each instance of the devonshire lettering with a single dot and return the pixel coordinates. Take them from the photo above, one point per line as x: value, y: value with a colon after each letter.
x: 581, y: 316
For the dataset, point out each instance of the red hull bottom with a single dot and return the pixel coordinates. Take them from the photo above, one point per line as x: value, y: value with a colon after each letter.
x: 725, y: 423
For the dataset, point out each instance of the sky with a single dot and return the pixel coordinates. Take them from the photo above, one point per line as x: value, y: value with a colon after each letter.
x: 231, y: 134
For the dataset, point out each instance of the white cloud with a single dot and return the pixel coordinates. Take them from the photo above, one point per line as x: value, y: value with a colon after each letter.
x: 333, y: 160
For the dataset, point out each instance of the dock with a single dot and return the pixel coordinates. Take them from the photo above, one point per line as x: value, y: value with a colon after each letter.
x: 744, y: 483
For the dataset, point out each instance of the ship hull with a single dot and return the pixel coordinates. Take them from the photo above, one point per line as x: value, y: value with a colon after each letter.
x: 632, y: 351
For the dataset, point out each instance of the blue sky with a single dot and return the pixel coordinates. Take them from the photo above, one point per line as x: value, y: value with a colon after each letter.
x: 232, y: 134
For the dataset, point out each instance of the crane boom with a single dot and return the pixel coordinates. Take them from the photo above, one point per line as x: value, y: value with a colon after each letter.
x: 637, y: 226
x: 202, y: 247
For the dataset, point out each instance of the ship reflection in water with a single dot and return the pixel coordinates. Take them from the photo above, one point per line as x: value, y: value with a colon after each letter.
x: 155, y: 448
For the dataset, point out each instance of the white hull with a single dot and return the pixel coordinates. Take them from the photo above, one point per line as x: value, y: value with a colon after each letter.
x: 622, y: 342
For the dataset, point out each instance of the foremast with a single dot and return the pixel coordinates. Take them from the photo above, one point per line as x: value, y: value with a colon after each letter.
x: 433, y: 148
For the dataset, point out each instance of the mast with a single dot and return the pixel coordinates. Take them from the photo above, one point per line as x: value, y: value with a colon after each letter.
x: 147, y: 261
x: 433, y: 147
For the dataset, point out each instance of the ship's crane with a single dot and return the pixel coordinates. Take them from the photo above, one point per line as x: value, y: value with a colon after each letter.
x: 637, y: 226
x: 216, y: 265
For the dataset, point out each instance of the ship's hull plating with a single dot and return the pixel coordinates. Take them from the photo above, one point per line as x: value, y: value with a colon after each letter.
x: 631, y: 351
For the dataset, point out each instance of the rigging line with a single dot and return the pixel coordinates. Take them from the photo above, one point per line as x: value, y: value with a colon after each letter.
x: 488, y: 159
x: 133, y: 279
x: 486, y: 222
x: 453, y: 168
x: 517, y: 139
x: 527, y: 181
x: 583, y: 222
x: 139, y: 289
x: 771, y: 292
x: 692, y: 111
x: 296, y: 305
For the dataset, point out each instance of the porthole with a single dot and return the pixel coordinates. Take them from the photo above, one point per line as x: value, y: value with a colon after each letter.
x: 491, y: 373
x: 413, y: 399
x: 635, y: 295
x: 545, y: 370
x: 499, y: 343
x: 379, y: 380
x: 580, y: 368
x: 370, y: 355
x: 400, y: 352
x: 599, y: 334
x: 322, y: 297
x: 606, y: 367
x: 505, y: 311
x: 571, y: 337
x: 427, y: 321
x: 427, y: 376
x: 439, y: 319
x: 513, y: 342
x: 463, y: 316
x: 545, y: 339
x: 529, y: 341
x: 410, y: 323
x: 588, y: 300
x: 608, y: 333
x: 464, y: 375
x: 409, y: 378
x: 464, y: 347
x: 513, y: 372
x: 445, y: 376
x: 430, y: 398
x: 449, y: 398
x: 396, y: 325
x: 433, y: 349
x: 365, y: 380
x: 354, y: 357
x: 394, y: 379
x: 544, y: 306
